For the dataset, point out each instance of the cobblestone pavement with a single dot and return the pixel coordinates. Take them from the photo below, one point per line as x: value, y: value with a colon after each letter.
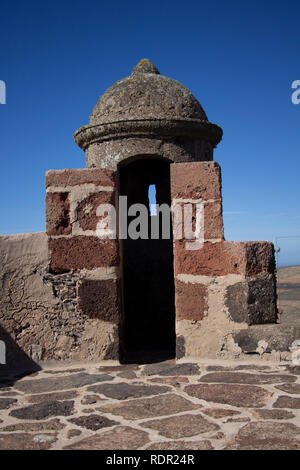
x: 172, y: 406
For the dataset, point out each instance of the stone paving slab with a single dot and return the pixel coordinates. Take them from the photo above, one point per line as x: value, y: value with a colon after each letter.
x: 212, y: 405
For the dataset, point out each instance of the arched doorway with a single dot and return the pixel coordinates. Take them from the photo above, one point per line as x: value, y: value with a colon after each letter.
x: 148, y: 317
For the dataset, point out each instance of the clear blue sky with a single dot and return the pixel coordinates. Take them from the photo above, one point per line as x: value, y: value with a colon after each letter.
x: 238, y: 58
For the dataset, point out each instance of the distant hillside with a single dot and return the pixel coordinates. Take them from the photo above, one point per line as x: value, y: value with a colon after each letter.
x: 289, y: 274
x: 288, y: 282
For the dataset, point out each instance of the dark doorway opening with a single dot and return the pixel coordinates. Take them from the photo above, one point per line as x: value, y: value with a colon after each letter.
x: 148, y: 317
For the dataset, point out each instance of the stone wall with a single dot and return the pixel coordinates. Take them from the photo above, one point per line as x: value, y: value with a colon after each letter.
x: 61, y: 290
x: 222, y: 286
x: 72, y: 199
x: 51, y: 316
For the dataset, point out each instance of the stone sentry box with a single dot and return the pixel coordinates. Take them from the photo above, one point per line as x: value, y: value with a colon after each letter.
x: 153, y: 296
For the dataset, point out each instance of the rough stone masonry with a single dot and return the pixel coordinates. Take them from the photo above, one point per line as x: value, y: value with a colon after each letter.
x: 66, y: 293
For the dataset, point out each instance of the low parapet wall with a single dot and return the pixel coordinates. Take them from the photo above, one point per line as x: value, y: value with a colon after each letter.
x: 39, y: 319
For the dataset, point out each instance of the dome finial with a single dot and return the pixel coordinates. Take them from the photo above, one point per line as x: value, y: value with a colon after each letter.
x: 144, y: 66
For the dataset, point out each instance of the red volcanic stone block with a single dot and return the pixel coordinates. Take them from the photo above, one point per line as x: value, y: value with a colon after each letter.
x: 213, y: 220
x: 190, y: 301
x: 197, y: 180
x: 225, y: 257
x: 74, y: 177
x: 58, y: 214
x: 99, y: 299
x: 82, y: 252
x: 86, y: 209
x: 213, y: 259
x: 260, y: 257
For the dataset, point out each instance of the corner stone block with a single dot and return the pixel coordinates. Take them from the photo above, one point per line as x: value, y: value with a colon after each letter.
x: 99, y: 299
x: 260, y: 257
x: 87, y: 209
x: 224, y: 257
x: 74, y: 177
x: 197, y: 180
x: 190, y: 301
x: 82, y: 252
x: 213, y: 221
x: 58, y: 214
x: 253, y: 301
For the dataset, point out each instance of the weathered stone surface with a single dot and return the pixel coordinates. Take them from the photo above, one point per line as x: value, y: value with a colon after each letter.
x: 241, y: 404
x: 64, y: 371
x: 180, y: 346
x: 119, y: 438
x: 218, y: 368
x: 122, y: 390
x: 147, y: 106
x: 224, y: 257
x: 61, y: 383
x: 245, y: 378
x: 50, y: 425
x: 23, y: 298
x: 127, y: 375
x: 253, y: 301
x: 93, y: 422
x: 74, y: 177
x: 87, y: 208
x: 240, y: 367
x: 219, y: 412
x: 190, y: 301
x: 242, y: 419
x: 294, y: 369
x: 39, y: 398
x: 150, y: 407
x: 151, y: 96
x: 43, y: 321
x: 260, y: 258
x: 38, y: 309
x: 58, y: 214
x: 146, y: 94
x: 197, y: 180
x: 99, y: 341
x: 267, y: 436
x: 287, y: 402
x: 108, y: 154
x: 218, y: 435
x: 99, y: 299
x: 73, y: 433
x: 289, y: 388
x: 166, y: 369
x: 279, y: 337
x: 90, y: 399
x: 177, y: 427
x: 25, y: 441
x: 233, y: 394
x: 251, y: 367
x: 122, y: 368
x: 181, y: 445
x: 82, y: 252
x: 176, y: 381
x: 273, y: 414
x: 6, y: 403
x: 44, y: 410
x: 213, y: 221
x: 156, y: 368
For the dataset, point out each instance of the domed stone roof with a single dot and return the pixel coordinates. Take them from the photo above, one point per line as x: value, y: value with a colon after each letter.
x: 147, y: 104
x: 146, y: 94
